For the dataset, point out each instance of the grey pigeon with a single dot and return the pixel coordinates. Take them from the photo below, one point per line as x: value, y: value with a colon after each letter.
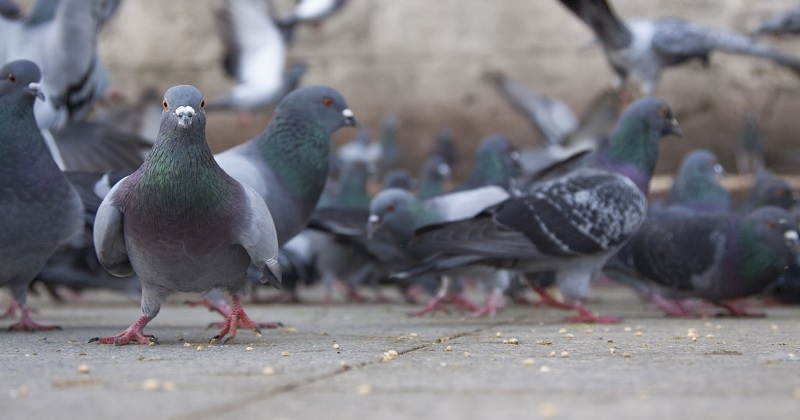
x: 183, y: 224
x: 769, y: 190
x: 399, y: 178
x: 718, y: 257
x: 570, y: 225
x: 435, y: 177
x: 496, y: 163
x: 360, y: 149
x: 785, y: 22
x: 41, y: 210
x: 255, y: 56
x: 395, y: 214
x: 313, y: 12
x: 641, y: 49
x: 390, y: 149
x: 751, y: 154
x: 445, y: 146
x: 287, y: 164
x: 697, y: 185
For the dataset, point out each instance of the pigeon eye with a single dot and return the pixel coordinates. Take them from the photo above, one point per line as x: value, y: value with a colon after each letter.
x: 772, y: 225
x: 663, y: 111
x: 327, y: 101
x: 202, y: 104
x: 164, y: 104
x: 390, y: 208
x: 11, y: 77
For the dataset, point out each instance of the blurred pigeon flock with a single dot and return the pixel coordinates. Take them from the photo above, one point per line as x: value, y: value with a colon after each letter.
x: 412, y: 152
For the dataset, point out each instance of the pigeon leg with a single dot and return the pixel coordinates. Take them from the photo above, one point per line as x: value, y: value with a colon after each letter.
x: 11, y: 311
x: 492, y: 303
x: 671, y: 308
x: 545, y: 299
x: 214, y: 306
x: 462, y: 302
x: 432, y: 306
x: 738, y: 311
x: 133, y: 334
x: 236, y: 318
x: 589, y: 317
x: 27, y: 324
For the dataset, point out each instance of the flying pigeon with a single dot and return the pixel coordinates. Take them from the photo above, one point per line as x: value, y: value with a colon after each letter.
x: 41, y: 210
x: 182, y: 224
x: 786, y: 22
x: 570, y: 225
x: 641, y: 49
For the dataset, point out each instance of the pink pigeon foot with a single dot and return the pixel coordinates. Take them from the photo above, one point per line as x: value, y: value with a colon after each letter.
x: 545, y: 299
x: 11, y: 311
x: 236, y: 318
x: 490, y: 309
x: 223, y: 309
x: 671, y: 308
x: 462, y: 302
x: 133, y: 334
x: 589, y: 317
x: 27, y: 324
x: 434, y: 305
x: 736, y: 310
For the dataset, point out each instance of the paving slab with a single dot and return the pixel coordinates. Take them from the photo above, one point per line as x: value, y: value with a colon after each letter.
x: 346, y: 361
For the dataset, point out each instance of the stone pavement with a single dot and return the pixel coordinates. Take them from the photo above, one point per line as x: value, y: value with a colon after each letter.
x: 348, y: 361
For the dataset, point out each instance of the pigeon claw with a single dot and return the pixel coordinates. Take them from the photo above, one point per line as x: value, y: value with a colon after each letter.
x: 588, y: 317
x: 27, y: 324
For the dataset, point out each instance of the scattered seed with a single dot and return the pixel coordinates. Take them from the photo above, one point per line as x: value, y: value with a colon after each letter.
x: 564, y: 354
x: 285, y: 353
x: 708, y: 324
x: 796, y: 393
x: 552, y: 354
x: 335, y: 346
x: 413, y: 335
x: 448, y: 348
x: 610, y: 341
x: 268, y: 371
x: 168, y: 386
x: 83, y: 369
x: 544, y: 342
x: 248, y: 348
x: 528, y: 362
x: 719, y: 327
x: 638, y: 333
x: 588, y: 331
x: 562, y: 331
x: 498, y: 334
x: 544, y: 369
x: 694, y: 338
x: 773, y: 327
x: 627, y: 355
x: 443, y: 339
x: 363, y: 390
x: 570, y: 335
x: 548, y: 410
x: 199, y: 348
x: 627, y: 329
x: 466, y: 354
x: 187, y: 344
x: 292, y: 330
x: 709, y: 335
x: 344, y: 365
x: 151, y: 385
x: 151, y: 344
x: 512, y: 341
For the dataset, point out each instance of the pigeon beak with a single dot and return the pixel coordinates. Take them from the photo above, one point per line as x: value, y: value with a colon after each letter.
x: 674, y: 128
x: 36, y: 90
x: 350, y: 118
x: 373, y: 223
x: 185, y: 114
x: 719, y: 170
x: 792, y: 240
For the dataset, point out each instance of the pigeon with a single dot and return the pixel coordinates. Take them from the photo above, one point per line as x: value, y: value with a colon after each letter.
x: 786, y: 22
x: 41, y: 210
x: 751, y: 155
x: 570, y: 225
x: 715, y: 256
x: 396, y: 213
x: 390, y: 150
x: 769, y: 190
x: 182, y: 224
x: 641, y: 49
x: 697, y: 185
x: 313, y: 11
x: 255, y: 56
x: 434, y: 178
x: 445, y: 146
x: 360, y: 149
x: 496, y: 163
x: 399, y: 178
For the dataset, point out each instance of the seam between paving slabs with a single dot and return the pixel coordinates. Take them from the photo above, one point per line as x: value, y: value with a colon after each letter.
x: 283, y: 389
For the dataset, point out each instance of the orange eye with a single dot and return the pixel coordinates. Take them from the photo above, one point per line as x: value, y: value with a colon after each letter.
x: 772, y: 225
x: 11, y: 77
x: 663, y: 111
x: 202, y: 104
x: 164, y: 104
x: 327, y: 101
x: 390, y: 208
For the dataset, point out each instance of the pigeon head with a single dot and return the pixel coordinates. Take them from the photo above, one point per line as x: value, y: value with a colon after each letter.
x: 772, y: 225
x: 21, y: 77
x: 632, y: 149
x: 322, y: 104
x: 697, y: 183
x: 184, y: 108
x: 496, y: 163
x: 392, y: 209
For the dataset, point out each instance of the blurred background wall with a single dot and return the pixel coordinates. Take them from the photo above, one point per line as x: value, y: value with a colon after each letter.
x: 423, y: 61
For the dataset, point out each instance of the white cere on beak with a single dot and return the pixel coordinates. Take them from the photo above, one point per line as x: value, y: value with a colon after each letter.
x: 374, y: 218
x: 718, y: 169
x: 347, y: 113
x: 791, y: 236
x: 36, y: 88
x: 443, y: 169
x: 184, y: 114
